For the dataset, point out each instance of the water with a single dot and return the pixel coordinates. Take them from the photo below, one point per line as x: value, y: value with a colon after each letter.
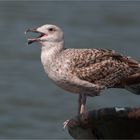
x: 31, y: 106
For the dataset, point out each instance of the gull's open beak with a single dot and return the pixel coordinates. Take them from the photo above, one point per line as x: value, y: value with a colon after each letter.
x: 32, y: 40
x: 31, y: 30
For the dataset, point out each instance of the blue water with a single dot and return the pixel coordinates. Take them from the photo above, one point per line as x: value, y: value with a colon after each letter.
x: 31, y: 106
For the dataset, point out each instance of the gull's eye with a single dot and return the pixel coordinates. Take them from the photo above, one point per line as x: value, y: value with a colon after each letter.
x: 51, y: 29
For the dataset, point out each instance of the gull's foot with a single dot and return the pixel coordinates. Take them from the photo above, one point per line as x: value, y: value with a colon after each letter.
x: 65, y: 123
x: 70, y: 123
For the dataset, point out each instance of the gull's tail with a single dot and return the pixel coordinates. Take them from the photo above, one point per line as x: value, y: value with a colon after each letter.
x: 132, y: 83
x: 134, y: 88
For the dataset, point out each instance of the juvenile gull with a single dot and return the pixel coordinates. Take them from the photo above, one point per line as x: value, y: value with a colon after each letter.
x: 84, y: 71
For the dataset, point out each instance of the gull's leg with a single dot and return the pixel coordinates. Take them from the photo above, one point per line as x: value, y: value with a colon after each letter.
x: 79, y: 103
x: 81, y: 109
x: 82, y: 102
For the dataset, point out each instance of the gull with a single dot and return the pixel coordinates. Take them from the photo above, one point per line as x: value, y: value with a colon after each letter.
x: 85, y: 72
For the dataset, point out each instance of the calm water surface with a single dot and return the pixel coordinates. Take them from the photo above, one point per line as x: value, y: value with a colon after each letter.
x: 31, y: 106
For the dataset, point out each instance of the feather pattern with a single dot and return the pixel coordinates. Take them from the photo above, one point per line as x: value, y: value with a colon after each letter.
x: 100, y: 66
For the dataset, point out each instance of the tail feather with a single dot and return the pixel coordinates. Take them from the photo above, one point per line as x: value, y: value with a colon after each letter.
x: 132, y: 63
x: 134, y: 88
x: 132, y: 84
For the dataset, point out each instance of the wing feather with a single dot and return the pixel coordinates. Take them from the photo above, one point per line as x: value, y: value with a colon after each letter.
x: 101, y: 66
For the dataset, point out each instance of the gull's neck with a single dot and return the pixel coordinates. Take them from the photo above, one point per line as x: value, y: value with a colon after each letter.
x: 50, y: 51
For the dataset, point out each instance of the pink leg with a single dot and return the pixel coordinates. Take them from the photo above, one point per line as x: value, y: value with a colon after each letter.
x: 81, y: 109
x: 82, y: 102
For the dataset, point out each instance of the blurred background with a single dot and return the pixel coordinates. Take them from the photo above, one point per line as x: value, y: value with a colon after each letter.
x: 31, y: 106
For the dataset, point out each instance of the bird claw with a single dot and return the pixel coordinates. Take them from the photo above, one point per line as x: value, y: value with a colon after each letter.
x: 70, y: 123
x: 65, y: 124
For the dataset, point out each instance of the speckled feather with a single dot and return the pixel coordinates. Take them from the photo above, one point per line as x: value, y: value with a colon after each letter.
x: 100, y: 66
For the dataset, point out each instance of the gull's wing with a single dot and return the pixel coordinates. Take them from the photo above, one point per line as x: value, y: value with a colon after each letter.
x: 100, y: 66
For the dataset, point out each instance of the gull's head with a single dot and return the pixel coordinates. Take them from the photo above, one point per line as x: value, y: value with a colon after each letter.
x: 47, y: 33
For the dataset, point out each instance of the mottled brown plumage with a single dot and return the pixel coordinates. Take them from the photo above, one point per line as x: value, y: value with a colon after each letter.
x: 100, y: 66
x: 85, y: 71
